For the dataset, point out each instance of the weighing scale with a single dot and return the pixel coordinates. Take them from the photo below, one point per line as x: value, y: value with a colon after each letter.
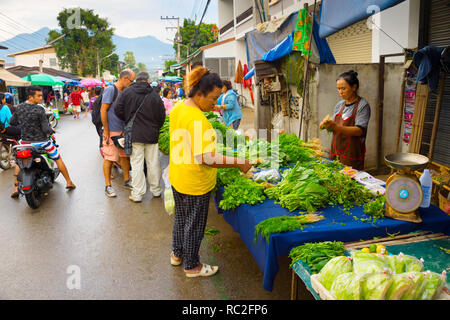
x: 403, y: 190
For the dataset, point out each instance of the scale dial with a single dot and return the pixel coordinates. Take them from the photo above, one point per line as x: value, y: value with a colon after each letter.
x: 404, y: 194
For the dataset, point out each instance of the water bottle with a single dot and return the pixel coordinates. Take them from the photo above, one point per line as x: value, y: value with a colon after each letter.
x: 427, y: 185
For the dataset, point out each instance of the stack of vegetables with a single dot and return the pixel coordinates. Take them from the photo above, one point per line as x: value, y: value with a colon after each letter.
x: 238, y: 189
x: 367, y: 276
x: 317, y: 254
x: 314, y: 185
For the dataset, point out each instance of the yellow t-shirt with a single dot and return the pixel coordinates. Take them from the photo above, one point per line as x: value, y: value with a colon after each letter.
x: 191, y: 134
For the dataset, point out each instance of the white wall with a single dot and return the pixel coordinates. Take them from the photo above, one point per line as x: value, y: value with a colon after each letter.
x: 225, y: 8
x: 401, y: 23
x: 225, y: 50
x: 32, y: 60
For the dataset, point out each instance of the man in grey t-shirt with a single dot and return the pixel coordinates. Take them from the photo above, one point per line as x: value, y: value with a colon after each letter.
x: 113, y: 126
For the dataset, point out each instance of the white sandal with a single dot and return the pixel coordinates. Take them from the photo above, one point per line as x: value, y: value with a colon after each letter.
x: 175, y: 262
x: 206, y: 271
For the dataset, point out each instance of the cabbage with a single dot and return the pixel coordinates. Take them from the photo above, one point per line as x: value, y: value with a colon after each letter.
x: 434, y: 282
x: 411, y: 263
x: 418, y: 286
x: 368, y: 262
x: 396, y: 264
x: 375, y: 286
x: 334, y: 268
x: 401, y: 283
x: 347, y: 286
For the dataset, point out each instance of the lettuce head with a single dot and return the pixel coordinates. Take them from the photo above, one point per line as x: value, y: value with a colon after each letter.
x: 401, y: 284
x: 375, y: 286
x: 347, y: 286
x: 368, y: 262
x: 333, y: 268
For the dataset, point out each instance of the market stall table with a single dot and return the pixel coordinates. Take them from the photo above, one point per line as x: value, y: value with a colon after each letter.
x: 337, y: 226
x: 421, y: 244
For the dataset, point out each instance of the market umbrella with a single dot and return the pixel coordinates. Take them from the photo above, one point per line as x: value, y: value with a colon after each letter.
x: 42, y: 79
x: 90, y: 82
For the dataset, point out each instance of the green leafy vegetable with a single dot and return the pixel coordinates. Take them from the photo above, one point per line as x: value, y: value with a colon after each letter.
x: 283, y: 224
x: 317, y: 254
x: 333, y: 268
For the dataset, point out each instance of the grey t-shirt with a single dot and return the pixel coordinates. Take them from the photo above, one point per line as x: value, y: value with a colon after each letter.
x: 362, y: 115
x: 114, y: 123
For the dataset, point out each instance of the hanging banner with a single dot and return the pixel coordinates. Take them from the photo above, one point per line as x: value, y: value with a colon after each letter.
x: 409, y: 104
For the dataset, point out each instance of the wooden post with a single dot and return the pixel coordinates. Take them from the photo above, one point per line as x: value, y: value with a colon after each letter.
x: 401, y: 112
x: 436, y: 115
x: 380, y: 110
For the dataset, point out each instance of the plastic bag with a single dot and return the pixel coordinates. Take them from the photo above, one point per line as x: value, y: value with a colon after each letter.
x: 396, y: 264
x: 333, y: 268
x: 368, y: 262
x: 270, y: 175
x: 375, y: 286
x: 347, y: 286
x: 434, y: 282
x: 411, y: 263
x: 401, y: 283
x: 418, y: 287
x: 169, y: 201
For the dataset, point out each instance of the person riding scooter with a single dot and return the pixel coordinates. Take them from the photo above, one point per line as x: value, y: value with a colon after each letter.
x: 31, y: 118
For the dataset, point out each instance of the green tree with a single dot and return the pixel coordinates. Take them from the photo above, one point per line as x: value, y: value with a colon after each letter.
x: 86, y: 37
x: 140, y: 67
x: 112, y: 64
x: 167, y: 65
x: 205, y: 36
x: 130, y: 60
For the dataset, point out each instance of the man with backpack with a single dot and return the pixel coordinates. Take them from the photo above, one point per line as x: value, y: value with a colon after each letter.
x: 141, y: 104
x: 112, y: 126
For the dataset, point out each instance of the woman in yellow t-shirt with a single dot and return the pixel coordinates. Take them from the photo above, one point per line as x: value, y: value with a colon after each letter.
x: 193, y: 169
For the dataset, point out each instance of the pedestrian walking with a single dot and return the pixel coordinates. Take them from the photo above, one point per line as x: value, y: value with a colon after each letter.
x: 76, y: 99
x: 85, y: 96
x: 97, y: 92
x: 193, y: 169
x: 142, y: 101
x: 228, y: 102
x: 167, y: 99
x: 113, y: 127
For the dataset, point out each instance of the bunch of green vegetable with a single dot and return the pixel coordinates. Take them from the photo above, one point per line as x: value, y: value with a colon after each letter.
x: 242, y: 191
x: 293, y: 149
x: 317, y: 254
x: 300, y: 189
x: 164, y: 137
x: 375, y: 208
x: 284, y: 224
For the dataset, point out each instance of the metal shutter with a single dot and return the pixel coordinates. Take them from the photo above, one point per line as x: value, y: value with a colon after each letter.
x: 439, y: 35
x: 352, y: 44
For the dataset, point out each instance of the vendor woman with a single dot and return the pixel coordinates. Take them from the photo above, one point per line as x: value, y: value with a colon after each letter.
x: 349, y: 123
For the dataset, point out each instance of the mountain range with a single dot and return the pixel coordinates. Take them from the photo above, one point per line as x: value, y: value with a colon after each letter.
x: 148, y: 49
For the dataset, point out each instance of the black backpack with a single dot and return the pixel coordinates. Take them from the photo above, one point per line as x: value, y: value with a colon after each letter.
x: 96, y: 117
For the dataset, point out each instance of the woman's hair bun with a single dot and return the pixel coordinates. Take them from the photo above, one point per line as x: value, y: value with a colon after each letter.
x: 353, y: 72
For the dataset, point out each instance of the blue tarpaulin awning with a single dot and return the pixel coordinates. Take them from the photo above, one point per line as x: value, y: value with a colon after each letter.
x: 335, y: 15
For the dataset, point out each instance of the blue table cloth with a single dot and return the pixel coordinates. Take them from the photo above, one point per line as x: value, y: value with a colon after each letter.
x: 337, y: 226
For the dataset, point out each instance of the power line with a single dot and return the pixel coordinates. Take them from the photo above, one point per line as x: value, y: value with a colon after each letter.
x: 29, y: 40
x: 194, y: 39
x: 13, y: 27
x: 16, y: 23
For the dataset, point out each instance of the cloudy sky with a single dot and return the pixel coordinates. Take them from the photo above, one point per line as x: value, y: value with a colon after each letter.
x: 130, y: 18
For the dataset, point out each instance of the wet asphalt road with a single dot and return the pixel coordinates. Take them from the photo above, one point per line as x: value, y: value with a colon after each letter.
x: 83, y: 245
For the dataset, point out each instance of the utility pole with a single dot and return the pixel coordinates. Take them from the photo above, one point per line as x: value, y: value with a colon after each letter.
x: 178, y: 38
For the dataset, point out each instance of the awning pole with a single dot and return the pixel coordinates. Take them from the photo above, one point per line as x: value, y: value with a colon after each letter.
x: 306, y: 73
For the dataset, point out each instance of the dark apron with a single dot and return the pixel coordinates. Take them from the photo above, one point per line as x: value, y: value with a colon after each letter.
x: 350, y: 150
